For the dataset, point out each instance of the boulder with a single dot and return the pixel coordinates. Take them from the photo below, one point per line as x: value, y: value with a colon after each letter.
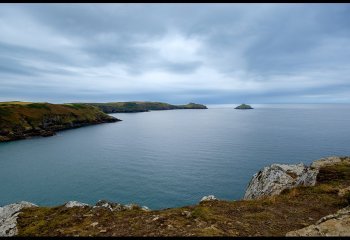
x: 131, y: 206
x: 208, y: 198
x: 8, y: 217
x: 110, y: 205
x: 337, y: 224
x: 145, y: 208
x: 71, y: 204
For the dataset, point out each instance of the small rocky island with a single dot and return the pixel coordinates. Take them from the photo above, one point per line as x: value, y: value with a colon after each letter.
x: 281, y: 200
x: 244, y: 106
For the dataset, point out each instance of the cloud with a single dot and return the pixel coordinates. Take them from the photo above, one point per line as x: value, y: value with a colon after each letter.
x: 209, y: 53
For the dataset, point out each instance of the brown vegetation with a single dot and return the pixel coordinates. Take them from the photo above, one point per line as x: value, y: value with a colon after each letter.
x: 272, y: 216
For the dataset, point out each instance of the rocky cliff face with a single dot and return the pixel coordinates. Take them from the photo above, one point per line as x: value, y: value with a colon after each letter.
x: 272, y: 180
x: 23, y: 120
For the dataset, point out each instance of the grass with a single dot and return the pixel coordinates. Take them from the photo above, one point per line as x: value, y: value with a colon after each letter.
x: 271, y: 216
x: 14, y: 103
x: 142, y: 106
x: 22, y: 120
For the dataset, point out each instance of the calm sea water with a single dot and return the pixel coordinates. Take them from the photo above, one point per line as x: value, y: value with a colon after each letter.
x: 171, y: 158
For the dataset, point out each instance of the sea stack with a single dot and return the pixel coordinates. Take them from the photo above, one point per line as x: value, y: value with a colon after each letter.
x: 244, y: 106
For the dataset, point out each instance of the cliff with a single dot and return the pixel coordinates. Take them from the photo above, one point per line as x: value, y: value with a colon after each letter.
x: 318, y: 208
x: 129, y: 107
x: 20, y: 120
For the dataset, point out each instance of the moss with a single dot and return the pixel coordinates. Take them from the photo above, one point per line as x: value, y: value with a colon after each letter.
x: 201, y: 212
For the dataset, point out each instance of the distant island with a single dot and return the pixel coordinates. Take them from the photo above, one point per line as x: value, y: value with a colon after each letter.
x: 244, y: 106
x: 129, y: 107
x: 20, y: 120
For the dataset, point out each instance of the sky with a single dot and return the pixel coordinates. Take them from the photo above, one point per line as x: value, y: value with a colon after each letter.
x: 176, y: 53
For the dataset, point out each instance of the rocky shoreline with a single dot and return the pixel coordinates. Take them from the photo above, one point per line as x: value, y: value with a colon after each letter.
x: 26, y: 120
x: 49, y: 131
x: 269, y: 186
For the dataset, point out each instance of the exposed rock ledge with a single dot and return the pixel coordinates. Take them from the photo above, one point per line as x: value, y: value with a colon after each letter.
x: 332, y: 225
x: 8, y: 217
x: 208, y: 198
x: 274, y: 179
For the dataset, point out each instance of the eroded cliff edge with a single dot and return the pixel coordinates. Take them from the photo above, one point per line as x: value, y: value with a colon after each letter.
x: 292, y: 200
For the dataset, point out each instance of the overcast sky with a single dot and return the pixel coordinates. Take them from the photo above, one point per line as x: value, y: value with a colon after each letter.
x: 177, y: 53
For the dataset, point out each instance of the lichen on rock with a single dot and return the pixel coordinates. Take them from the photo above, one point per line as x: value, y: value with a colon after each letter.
x: 71, y: 204
x: 8, y: 217
x: 274, y: 179
x: 208, y: 198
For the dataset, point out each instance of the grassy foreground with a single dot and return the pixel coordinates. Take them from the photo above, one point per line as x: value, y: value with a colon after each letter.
x: 19, y: 120
x: 272, y: 216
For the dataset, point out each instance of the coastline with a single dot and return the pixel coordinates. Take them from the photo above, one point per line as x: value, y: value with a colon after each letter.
x: 327, y: 192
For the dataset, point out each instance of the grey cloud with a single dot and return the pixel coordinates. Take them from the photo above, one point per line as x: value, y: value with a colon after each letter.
x: 250, y: 45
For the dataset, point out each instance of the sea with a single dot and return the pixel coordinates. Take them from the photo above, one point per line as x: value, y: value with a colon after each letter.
x: 171, y: 158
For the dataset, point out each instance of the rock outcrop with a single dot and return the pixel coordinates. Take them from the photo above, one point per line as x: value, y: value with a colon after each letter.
x: 272, y: 180
x: 112, y: 206
x: 71, y: 204
x: 337, y: 224
x: 8, y: 217
x: 208, y: 198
